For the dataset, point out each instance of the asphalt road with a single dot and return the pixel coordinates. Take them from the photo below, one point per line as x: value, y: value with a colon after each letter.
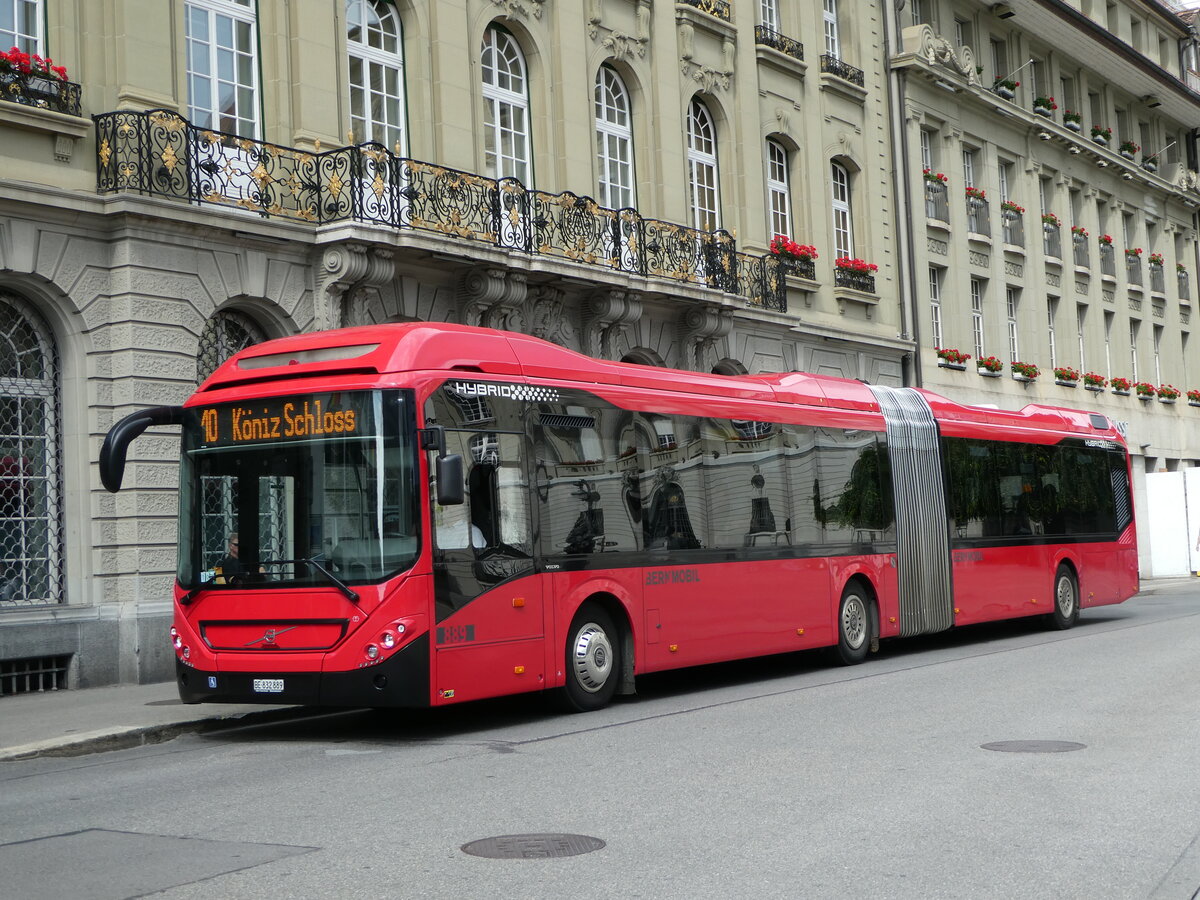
x: 786, y: 777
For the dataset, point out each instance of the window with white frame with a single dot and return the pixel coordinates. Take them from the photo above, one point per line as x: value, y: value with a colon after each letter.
x: 977, y: 316
x: 935, y: 305
x: 703, y: 185
x: 1012, y: 299
x: 1134, y: 325
x: 969, y: 157
x: 374, y: 43
x: 964, y: 33
x: 506, y: 151
x: 926, y: 150
x: 768, y: 13
x: 222, y: 65
x: 843, y: 231
x: 21, y: 25
x: 778, y: 190
x: 1080, y: 333
x: 832, y: 39
x: 614, y: 140
x: 920, y: 12
x: 1005, y: 171
x: 1051, y: 315
x: 1158, y: 333
x: 1109, y: 318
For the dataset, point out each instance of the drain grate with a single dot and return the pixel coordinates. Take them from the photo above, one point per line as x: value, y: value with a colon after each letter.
x: 1034, y: 746
x: 533, y: 846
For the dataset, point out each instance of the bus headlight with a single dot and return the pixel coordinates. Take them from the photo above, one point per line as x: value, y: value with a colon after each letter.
x: 388, y: 640
x: 176, y: 640
x: 372, y: 651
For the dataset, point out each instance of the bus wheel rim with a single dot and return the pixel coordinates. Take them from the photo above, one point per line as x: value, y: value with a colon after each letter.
x: 592, y: 657
x: 854, y: 621
x: 1066, y: 596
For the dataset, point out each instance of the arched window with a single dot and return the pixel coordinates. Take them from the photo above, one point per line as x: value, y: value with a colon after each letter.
x: 222, y: 65
x: 778, y: 189
x: 843, y: 235
x: 506, y: 107
x: 226, y: 333
x: 21, y: 25
x: 703, y: 186
x: 614, y: 140
x: 30, y: 459
x: 374, y: 42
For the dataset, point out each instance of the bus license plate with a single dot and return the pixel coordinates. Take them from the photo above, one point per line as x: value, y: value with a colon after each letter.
x: 268, y: 685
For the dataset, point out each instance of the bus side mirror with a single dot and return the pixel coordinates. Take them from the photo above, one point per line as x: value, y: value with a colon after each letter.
x: 450, y: 480
x: 121, y: 435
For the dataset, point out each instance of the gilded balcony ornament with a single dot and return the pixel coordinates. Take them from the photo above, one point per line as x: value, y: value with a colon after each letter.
x: 169, y: 159
x: 127, y: 173
x: 335, y: 186
x: 261, y: 175
x: 125, y: 129
x: 378, y: 188
x: 104, y: 152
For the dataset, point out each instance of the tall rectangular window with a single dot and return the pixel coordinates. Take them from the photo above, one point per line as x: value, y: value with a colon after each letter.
x: 1109, y: 318
x: 506, y: 107
x: 1158, y: 333
x: 935, y: 304
x: 964, y: 35
x: 926, y: 150
x: 614, y: 140
x: 768, y: 11
x: 21, y: 26
x: 843, y: 234
x: 977, y: 316
x: 1080, y: 331
x: 1012, y: 299
x: 376, y: 65
x: 702, y: 168
x: 968, y: 157
x: 1134, y: 326
x: 778, y: 193
x: 1000, y: 59
x: 1051, y: 315
x: 222, y: 65
x: 1004, y: 170
x: 833, y: 45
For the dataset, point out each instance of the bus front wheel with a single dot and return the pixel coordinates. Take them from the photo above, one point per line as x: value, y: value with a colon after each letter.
x: 1066, y: 599
x: 593, y: 660
x: 854, y: 625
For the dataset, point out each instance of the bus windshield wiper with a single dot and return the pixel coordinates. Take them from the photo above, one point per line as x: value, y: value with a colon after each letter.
x: 349, y: 593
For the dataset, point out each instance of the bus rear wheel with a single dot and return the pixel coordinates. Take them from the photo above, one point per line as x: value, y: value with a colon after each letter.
x: 1066, y: 599
x: 593, y: 660
x: 855, y: 620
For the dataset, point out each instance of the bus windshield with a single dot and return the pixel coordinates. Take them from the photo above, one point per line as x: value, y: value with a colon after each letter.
x: 288, y: 491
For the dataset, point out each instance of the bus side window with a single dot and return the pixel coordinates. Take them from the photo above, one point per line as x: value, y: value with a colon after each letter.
x: 496, y: 512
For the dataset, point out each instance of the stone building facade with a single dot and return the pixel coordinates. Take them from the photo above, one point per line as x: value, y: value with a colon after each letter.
x: 1049, y: 167
x: 607, y: 174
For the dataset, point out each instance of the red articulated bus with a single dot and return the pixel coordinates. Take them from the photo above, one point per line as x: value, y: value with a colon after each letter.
x: 426, y: 514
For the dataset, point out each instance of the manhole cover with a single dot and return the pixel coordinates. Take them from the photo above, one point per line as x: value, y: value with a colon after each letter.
x: 533, y: 846
x: 1034, y: 746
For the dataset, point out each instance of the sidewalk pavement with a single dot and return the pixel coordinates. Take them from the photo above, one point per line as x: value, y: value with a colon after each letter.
x: 72, y: 723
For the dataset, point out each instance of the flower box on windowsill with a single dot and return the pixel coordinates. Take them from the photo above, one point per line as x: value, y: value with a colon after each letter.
x: 1120, y: 393
x: 1073, y: 126
x: 1170, y: 401
x: 988, y: 373
x: 1194, y: 403
x: 1017, y: 376
x: 1145, y: 398
x: 1094, y: 388
x: 1065, y: 383
x: 957, y: 367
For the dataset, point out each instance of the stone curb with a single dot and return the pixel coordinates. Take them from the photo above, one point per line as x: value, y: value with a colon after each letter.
x: 122, y: 737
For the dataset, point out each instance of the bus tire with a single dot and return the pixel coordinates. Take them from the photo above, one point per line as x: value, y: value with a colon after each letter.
x: 592, y: 659
x: 855, y: 621
x: 1066, y: 599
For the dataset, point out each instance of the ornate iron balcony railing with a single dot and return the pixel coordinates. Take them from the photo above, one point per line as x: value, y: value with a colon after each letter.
x: 44, y: 93
x: 859, y: 281
x: 160, y: 153
x: 718, y: 8
x: 769, y: 37
x: 835, y: 66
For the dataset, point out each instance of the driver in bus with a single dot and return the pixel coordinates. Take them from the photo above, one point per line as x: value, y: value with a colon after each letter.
x: 231, y: 566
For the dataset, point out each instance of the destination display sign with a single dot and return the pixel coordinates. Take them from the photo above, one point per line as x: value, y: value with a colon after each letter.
x: 292, y: 418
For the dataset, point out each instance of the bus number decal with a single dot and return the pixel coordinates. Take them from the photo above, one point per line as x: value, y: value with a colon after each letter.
x: 672, y: 576
x: 455, y: 634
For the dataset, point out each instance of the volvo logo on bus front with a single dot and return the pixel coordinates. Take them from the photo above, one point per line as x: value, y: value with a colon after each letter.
x: 268, y: 638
